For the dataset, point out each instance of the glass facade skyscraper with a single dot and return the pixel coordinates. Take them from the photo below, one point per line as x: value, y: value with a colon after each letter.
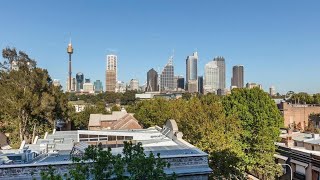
x: 192, y: 73
x: 167, y: 77
x: 79, y: 81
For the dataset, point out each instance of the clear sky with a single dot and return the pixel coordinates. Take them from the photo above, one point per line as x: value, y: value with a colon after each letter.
x: 278, y: 42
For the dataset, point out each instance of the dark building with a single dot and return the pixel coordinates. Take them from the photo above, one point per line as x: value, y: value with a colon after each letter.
x: 180, y: 83
x: 87, y: 80
x: 222, y: 72
x: 80, y: 81
x: 237, y: 76
x: 98, y: 86
x: 200, y: 84
x: 152, y: 80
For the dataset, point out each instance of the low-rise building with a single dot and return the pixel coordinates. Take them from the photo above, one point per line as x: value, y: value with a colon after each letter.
x: 56, y: 150
x: 116, y: 120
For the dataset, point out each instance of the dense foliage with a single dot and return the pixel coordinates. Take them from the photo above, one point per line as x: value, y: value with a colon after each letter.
x: 29, y: 102
x: 238, y: 131
x: 97, y: 163
x: 305, y: 98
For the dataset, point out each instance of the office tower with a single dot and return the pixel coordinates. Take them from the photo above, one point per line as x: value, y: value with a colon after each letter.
x: 56, y: 82
x: 88, y: 88
x: 134, y: 85
x: 80, y: 81
x: 87, y: 80
x: 222, y: 72
x: 179, y: 82
x: 111, y: 73
x: 73, y: 84
x: 237, y: 76
x: 167, y: 76
x: 272, y: 91
x: 192, y: 73
x: 211, y: 77
x: 120, y: 87
x: 200, y: 84
x: 98, y: 88
x: 152, y: 80
x: 70, y: 51
x: 253, y: 85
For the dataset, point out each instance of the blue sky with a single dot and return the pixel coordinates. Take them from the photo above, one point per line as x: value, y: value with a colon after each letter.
x: 278, y: 42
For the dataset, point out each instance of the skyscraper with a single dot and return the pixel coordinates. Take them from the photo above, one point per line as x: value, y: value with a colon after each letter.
x: 237, y: 76
x: 134, y: 85
x: 211, y: 77
x: 152, y: 80
x: 167, y: 76
x: 192, y: 73
x: 98, y: 86
x: 111, y: 73
x: 200, y: 84
x: 222, y: 72
x: 80, y: 81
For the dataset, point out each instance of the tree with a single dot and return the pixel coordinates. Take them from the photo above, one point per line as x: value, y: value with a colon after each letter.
x: 260, y: 121
x: 28, y: 98
x: 98, y: 163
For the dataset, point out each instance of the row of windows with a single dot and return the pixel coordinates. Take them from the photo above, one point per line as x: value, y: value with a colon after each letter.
x: 93, y: 137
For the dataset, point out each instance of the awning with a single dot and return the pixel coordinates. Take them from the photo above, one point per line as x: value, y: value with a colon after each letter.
x: 280, y: 157
x: 299, y: 163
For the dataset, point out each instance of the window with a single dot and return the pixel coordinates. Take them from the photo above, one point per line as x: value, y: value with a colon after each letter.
x: 120, y: 138
x: 312, y: 148
x: 112, y: 138
x: 128, y: 137
x: 83, y: 135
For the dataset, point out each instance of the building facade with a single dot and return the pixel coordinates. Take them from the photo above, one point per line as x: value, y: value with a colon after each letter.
x: 192, y: 73
x: 80, y: 81
x: 211, y: 77
x: 237, y: 76
x: 152, y: 80
x: 253, y: 85
x: 167, y: 77
x: 111, y: 73
x: 98, y: 88
x: 134, y: 85
x: 200, y: 84
x: 88, y: 88
x: 222, y: 72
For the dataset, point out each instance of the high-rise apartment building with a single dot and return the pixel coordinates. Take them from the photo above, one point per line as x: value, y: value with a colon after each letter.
x: 152, y: 80
x: 222, y: 72
x: 211, y: 77
x: 134, y: 85
x: 167, y: 76
x: 200, y: 84
x: 111, y: 73
x: 237, y: 79
x: 79, y: 81
x: 192, y: 73
x: 98, y: 88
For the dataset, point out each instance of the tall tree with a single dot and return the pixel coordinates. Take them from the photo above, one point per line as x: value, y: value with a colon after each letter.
x: 29, y: 99
x: 260, y: 121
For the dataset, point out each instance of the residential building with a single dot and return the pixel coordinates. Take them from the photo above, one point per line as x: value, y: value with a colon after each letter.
x: 79, y: 105
x: 88, y: 88
x: 222, y: 72
x: 253, y: 85
x: 98, y: 88
x: 134, y: 85
x: 57, y: 149
x: 192, y: 73
x: 116, y: 120
x: 300, y: 151
x: 297, y: 114
x: 111, y: 73
x: 167, y: 77
x: 152, y: 81
x: 211, y: 77
x: 237, y: 76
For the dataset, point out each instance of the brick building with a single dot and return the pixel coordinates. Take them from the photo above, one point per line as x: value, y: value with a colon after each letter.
x: 297, y: 113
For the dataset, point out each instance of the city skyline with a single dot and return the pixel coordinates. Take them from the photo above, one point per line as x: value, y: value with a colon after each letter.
x: 273, y: 40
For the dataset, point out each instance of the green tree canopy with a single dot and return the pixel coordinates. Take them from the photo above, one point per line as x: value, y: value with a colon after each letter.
x: 29, y: 101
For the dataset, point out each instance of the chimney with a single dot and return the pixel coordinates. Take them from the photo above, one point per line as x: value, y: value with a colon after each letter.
x: 289, y: 142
